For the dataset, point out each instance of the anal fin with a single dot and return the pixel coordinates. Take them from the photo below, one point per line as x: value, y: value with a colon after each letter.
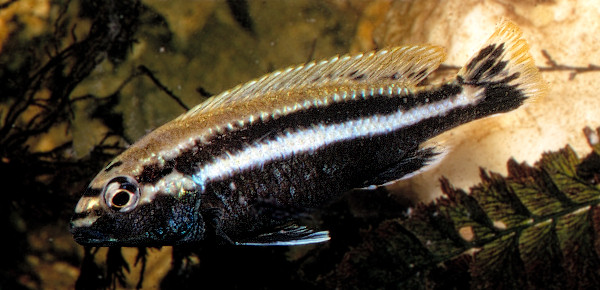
x: 415, y: 163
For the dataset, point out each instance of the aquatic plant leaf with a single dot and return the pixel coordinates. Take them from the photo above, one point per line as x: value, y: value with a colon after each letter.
x: 468, y: 216
x: 498, y: 264
x: 576, y: 238
x: 531, y: 189
x: 442, y: 240
x: 540, y: 253
x: 497, y: 200
x: 536, y: 228
x: 562, y: 168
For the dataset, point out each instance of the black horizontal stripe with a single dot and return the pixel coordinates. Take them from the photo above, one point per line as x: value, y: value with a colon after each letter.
x: 338, y: 112
x: 311, y: 178
x: 114, y: 165
x: 153, y: 173
x: 500, y: 98
x: 87, y: 214
x: 346, y: 164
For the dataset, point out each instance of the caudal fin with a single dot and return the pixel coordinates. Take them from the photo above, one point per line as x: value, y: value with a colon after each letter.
x: 505, y: 70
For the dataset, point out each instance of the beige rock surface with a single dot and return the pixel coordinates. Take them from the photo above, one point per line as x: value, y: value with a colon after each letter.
x: 566, y: 30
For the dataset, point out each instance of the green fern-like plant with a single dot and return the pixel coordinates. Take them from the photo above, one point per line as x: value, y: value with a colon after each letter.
x: 537, y: 228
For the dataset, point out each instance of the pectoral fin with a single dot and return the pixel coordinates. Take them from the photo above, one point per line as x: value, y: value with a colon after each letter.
x: 289, y: 235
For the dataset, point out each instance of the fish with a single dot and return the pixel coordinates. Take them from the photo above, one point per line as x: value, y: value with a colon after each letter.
x: 241, y: 167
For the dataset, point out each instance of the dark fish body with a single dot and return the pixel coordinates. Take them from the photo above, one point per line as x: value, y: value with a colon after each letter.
x: 237, y: 166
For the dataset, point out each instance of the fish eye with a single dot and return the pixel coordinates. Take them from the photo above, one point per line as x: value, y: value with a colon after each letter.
x: 121, y: 194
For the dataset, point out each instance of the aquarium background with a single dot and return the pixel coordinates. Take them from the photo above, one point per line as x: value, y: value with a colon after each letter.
x: 80, y: 80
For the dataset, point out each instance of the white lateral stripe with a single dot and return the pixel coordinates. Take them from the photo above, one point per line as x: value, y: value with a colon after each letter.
x: 174, y: 183
x: 310, y: 139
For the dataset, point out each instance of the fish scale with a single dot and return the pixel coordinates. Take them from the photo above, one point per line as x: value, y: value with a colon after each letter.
x: 239, y: 167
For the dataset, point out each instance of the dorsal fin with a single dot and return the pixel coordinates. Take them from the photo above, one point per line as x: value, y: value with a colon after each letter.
x: 407, y: 65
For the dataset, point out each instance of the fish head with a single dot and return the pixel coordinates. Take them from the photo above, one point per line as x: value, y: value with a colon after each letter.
x: 122, y: 208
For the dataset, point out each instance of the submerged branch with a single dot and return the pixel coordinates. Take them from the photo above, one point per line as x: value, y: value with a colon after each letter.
x: 575, y: 70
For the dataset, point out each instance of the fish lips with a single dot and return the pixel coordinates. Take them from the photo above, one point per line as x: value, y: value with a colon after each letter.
x: 90, y: 237
x: 99, y: 237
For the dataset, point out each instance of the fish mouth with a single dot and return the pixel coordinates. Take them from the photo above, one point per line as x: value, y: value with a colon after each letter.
x: 81, y: 227
x: 86, y: 234
x: 93, y: 238
x: 90, y: 237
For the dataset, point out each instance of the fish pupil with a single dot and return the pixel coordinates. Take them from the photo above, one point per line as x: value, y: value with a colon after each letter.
x: 120, y: 199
